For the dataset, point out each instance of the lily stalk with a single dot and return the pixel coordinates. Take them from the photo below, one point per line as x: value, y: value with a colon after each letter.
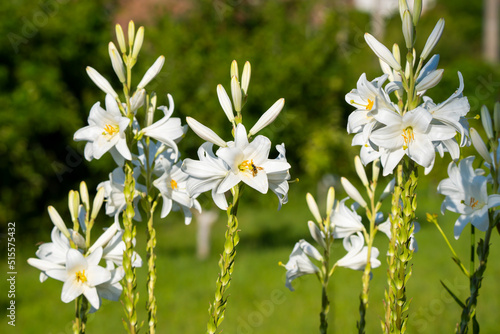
x: 371, y: 214
x: 226, y: 264
x: 81, y: 309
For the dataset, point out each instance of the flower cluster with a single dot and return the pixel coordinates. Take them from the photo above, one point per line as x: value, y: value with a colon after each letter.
x: 71, y: 259
x: 152, y: 147
x: 418, y: 128
x: 245, y: 159
x: 341, y: 222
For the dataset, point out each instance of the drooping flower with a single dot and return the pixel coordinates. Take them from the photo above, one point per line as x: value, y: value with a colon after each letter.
x: 345, y: 221
x: 467, y: 194
x: 278, y: 180
x: 173, y: 188
x: 299, y: 263
x: 357, y: 253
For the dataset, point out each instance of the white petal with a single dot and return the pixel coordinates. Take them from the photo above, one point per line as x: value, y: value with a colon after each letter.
x: 225, y: 103
x: 101, y: 82
x: 382, y: 52
x: 268, y: 117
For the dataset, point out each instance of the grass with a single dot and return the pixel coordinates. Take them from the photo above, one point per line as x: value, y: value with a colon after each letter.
x: 259, y: 301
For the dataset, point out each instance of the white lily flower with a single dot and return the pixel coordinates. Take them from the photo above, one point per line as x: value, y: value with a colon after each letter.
x: 173, y: 188
x: 101, y: 82
x: 152, y: 72
x: 357, y: 253
x: 106, y: 130
x: 167, y: 130
x: 206, y: 174
x: 113, y: 251
x: 268, y: 117
x: 382, y: 52
x: 299, y: 263
x: 81, y: 276
x: 411, y: 134
x: 345, y: 221
x: 466, y: 193
x: 205, y: 132
x: 248, y: 162
x: 112, y: 289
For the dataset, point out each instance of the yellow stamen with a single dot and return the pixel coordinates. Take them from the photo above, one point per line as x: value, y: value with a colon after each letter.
x: 173, y: 184
x: 408, y: 136
x: 369, y: 106
x: 80, y: 276
x: 110, y: 130
x: 249, y: 166
x: 473, y: 202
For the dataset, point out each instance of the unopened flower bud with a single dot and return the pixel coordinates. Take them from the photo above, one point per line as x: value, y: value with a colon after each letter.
x: 139, y: 39
x: 417, y: 11
x: 330, y: 200
x: 234, y: 70
x: 316, y: 234
x: 204, y: 132
x: 117, y: 62
x: 430, y: 80
x: 408, y: 29
x: 360, y: 169
x: 382, y: 52
x: 479, y: 145
x: 268, y: 117
x: 98, y: 200
x: 433, y: 39
x: 152, y: 72
x: 236, y: 93
x: 487, y: 124
x: 58, y: 222
x: 313, y: 207
x: 131, y: 33
x: 352, y: 192
x: 73, y: 203
x: 225, y: 103
x: 120, y: 37
x: 245, y: 77
x: 101, y: 82
x: 84, y: 194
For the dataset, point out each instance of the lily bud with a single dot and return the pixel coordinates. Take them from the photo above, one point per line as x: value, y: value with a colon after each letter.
x: 98, y: 200
x: 479, y: 145
x: 245, y: 77
x: 120, y: 37
x: 353, y: 192
x: 313, y: 207
x: 403, y: 7
x: 268, y: 117
x: 433, y: 39
x: 139, y: 39
x: 375, y: 170
x: 204, y: 132
x: 117, y: 62
x: 360, y: 170
x: 73, y: 203
x: 330, y: 200
x: 84, y: 194
x: 78, y: 240
x: 396, y: 53
x: 234, y: 70
x: 137, y: 100
x: 382, y: 52
x: 430, y: 80
x: 225, y: 103
x: 58, y: 222
x: 496, y: 117
x: 487, y: 124
x: 152, y: 72
x: 101, y: 82
x: 316, y: 234
x: 236, y: 93
x: 408, y: 29
x: 131, y: 33
x: 417, y: 11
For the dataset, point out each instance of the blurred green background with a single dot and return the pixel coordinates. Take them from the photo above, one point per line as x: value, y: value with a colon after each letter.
x: 309, y: 52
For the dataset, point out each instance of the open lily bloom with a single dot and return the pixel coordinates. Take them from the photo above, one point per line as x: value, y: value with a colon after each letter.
x: 248, y: 162
x: 105, y: 131
x: 345, y: 221
x: 299, y: 263
x: 467, y: 194
x: 173, y: 188
x: 278, y: 181
x: 411, y: 134
x: 357, y: 252
x: 81, y: 275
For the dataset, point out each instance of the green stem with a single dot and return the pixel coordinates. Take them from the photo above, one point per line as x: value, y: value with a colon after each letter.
x: 469, y: 311
x: 150, y: 247
x: 325, y: 276
x: 226, y: 264
x: 130, y: 297
x: 81, y: 308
